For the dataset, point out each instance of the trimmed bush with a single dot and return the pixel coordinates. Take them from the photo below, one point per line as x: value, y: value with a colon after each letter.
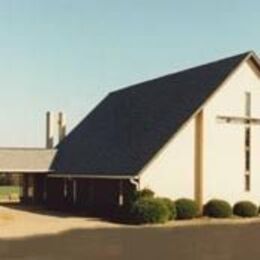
x: 172, y: 208
x: 144, y: 193
x: 150, y: 210
x: 217, y: 209
x: 186, y: 208
x: 245, y: 209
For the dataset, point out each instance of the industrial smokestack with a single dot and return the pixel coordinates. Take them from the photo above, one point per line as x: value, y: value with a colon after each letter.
x: 49, y: 130
x: 61, y: 126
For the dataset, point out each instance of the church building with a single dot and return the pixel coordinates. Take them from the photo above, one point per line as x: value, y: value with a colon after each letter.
x: 192, y: 134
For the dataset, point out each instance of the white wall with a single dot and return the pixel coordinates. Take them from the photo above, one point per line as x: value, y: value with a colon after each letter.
x: 170, y: 173
x: 224, y: 153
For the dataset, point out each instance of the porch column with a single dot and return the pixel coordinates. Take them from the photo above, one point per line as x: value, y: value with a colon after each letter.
x: 121, y: 194
x: 198, y: 164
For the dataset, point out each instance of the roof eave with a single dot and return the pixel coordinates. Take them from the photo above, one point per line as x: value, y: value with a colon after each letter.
x: 252, y: 55
x: 92, y: 176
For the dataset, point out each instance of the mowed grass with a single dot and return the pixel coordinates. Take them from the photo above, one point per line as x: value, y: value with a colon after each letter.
x: 7, y: 192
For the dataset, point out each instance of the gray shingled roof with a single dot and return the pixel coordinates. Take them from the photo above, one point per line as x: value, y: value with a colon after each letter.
x: 131, y: 125
x: 26, y: 159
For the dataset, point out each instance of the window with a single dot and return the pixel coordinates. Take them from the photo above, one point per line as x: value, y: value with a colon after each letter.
x: 247, y: 182
x: 248, y: 142
x: 248, y: 104
x: 247, y: 137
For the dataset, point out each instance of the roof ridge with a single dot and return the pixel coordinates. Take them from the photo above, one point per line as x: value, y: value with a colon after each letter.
x: 243, y: 55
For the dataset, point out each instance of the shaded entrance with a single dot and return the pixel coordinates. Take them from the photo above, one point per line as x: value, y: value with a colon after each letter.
x: 88, y: 194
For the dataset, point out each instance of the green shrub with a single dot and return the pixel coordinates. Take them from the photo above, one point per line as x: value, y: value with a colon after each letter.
x: 245, y: 209
x: 149, y: 210
x: 144, y: 193
x: 217, y: 209
x: 186, y: 208
x: 172, y: 208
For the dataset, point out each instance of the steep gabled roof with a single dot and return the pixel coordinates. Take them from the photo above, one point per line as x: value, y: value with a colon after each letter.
x: 123, y: 133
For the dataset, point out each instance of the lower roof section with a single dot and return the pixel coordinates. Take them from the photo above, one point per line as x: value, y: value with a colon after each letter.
x: 26, y: 160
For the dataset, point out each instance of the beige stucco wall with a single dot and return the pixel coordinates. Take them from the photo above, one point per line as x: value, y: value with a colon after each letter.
x: 170, y: 173
x: 224, y: 152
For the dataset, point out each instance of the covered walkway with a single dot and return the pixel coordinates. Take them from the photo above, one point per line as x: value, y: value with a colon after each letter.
x: 33, y: 165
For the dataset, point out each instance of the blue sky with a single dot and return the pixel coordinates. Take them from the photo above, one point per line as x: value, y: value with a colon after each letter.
x: 68, y: 54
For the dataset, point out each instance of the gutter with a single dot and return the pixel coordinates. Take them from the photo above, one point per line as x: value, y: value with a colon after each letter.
x: 135, y: 182
x: 87, y: 176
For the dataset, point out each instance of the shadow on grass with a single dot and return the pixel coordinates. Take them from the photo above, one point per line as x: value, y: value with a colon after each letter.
x: 182, y: 243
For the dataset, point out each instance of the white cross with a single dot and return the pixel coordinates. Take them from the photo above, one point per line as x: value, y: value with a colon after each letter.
x: 248, y: 121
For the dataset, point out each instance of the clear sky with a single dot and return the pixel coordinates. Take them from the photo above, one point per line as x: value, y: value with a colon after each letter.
x: 68, y: 54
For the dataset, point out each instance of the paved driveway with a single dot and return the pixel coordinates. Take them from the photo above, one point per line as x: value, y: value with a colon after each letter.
x: 220, y: 242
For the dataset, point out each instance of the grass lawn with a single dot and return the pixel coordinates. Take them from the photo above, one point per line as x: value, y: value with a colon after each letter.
x: 7, y: 191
